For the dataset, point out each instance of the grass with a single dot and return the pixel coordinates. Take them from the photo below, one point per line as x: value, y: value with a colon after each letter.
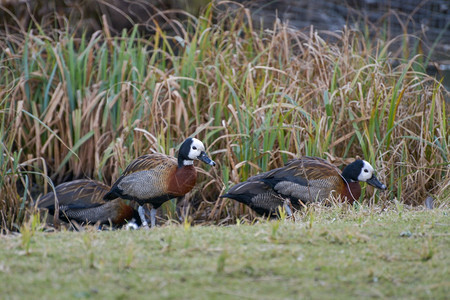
x: 338, y: 253
x: 77, y: 106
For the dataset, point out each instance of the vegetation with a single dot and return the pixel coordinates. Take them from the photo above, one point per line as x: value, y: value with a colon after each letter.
x: 337, y: 253
x: 84, y: 106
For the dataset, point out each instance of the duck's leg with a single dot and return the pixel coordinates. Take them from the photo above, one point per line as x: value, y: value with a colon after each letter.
x: 288, y: 210
x: 287, y: 207
x: 183, y: 212
x: 153, y: 217
x: 141, y: 212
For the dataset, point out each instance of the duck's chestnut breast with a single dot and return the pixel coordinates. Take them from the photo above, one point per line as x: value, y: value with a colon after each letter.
x: 182, y: 180
x: 352, y: 191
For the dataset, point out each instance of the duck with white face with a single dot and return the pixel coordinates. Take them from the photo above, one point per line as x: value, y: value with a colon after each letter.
x: 156, y: 178
x: 193, y: 149
x: 303, y: 180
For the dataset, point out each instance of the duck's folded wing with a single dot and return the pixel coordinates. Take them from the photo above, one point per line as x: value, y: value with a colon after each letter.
x: 146, y: 177
x: 306, y: 179
x: 149, y: 162
x: 78, y: 192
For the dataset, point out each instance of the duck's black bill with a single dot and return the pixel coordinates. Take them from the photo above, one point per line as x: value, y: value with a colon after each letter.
x: 376, y: 183
x: 204, y: 158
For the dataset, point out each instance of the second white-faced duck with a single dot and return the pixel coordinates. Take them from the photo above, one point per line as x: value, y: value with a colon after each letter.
x: 303, y: 180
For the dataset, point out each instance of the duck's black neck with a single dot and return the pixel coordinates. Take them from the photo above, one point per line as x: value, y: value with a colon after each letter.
x: 351, y: 172
x: 347, y: 176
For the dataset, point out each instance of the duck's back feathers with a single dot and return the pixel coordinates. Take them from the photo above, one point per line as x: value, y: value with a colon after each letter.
x: 82, y: 201
x: 80, y: 193
x: 305, y: 179
x: 150, y: 162
x: 304, y: 169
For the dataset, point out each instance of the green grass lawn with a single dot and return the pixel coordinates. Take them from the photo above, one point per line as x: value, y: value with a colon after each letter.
x: 323, y: 254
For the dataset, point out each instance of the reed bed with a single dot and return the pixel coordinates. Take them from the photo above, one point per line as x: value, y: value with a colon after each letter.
x: 85, y: 106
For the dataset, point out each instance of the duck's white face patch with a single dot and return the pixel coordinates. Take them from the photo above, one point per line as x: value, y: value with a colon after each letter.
x: 196, y: 149
x: 366, y: 172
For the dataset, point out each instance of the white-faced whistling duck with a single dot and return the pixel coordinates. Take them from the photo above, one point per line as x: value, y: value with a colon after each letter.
x: 157, y: 178
x: 82, y: 201
x: 304, y: 180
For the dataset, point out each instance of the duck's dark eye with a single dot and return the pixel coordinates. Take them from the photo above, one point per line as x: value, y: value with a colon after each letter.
x: 365, y: 170
x: 194, y: 148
